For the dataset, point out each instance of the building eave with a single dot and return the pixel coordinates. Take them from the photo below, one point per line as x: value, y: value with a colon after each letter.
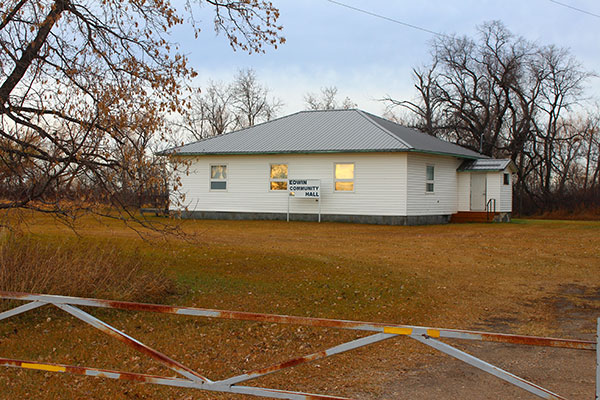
x: 199, y: 154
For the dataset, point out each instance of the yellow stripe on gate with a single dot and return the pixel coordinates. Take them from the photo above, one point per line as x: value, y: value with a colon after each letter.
x: 433, y: 333
x: 44, y: 367
x: 397, y: 331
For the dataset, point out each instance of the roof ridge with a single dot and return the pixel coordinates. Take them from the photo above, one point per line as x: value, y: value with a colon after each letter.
x: 328, y: 110
x: 342, y: 132
x: 165, y: 151
x: 421, y: 133
x: 367, y: 116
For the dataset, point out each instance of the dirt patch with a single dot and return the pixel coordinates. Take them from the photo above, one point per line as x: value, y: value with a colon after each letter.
x: 577, y: 308
x: 570, y: 373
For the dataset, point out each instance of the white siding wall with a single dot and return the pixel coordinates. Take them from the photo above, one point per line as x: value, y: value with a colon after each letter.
x: 496, y: 189
x: 506, y: 195
x: 444, y: 199
x: 464, y: 191
x: 380, y: 182
x: 493, y: 188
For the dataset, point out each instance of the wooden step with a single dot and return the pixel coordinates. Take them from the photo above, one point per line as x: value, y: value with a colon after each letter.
x: 472, y: 216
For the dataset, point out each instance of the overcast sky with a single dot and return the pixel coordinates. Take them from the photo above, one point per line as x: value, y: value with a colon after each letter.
x: 368, y: 57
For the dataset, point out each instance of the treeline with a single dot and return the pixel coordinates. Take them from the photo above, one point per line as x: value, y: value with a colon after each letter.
x: 224, y: 107
x: 507, y: 97
x: 137, y: 177
x: 497, y: 93
x: 221, y: 107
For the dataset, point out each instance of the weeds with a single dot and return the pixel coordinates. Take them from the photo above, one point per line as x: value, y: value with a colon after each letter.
x: 77, y: 268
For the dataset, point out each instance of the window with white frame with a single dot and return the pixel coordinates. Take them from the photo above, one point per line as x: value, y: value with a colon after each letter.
x: 278, y: 177
x: 344, y: 177
x: 430, y: 179
x: 506, y: 179
x: 218, y: 177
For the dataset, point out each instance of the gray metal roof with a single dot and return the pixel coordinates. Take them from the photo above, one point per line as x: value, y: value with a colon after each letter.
x: 328, y: 131
x: 488, y: 164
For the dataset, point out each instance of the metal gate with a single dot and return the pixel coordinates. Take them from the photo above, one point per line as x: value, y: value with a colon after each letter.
x: 192, y: 379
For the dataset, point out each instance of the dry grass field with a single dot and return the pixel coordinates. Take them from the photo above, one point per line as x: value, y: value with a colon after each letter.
x: 529, y: 277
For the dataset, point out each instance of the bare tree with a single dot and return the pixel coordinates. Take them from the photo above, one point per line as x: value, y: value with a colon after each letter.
x: 211, y: 112
x: 590, y: 131
x: 250, y: 100
x: 560, y: 89
x: 221, y: 107
x: 427, y: 107
x: 504, y: 96
x: 327, y: 100
x: 79, y: 79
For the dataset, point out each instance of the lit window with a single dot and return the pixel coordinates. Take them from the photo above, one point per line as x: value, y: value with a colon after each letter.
x: 218, y: 177
x: 507, y: 179
x: 278, y: 177
x: 344, y: 177
x: 430, y: 179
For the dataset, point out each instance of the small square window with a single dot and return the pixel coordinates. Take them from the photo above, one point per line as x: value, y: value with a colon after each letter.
x: 430, y: 172
x: 218, y: 177
x: 278, y: 177
x: 506, y: 179
x: 215, y: 185
x: 430, y: 179
x: 344, y: 177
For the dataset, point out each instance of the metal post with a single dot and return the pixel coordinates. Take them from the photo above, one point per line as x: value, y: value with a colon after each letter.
x: 319, y: 200
x: 598, y: 361
x: 288, y: 212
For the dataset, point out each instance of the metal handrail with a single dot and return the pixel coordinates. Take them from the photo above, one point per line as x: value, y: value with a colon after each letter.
x: 490, y: 207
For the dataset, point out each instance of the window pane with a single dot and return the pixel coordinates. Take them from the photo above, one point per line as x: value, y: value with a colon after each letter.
x: 344, y: 171
x: 507, y: 179
x: 218, y: 185
x: 279, y: 171
x: 429, y: 187
x: 344, y: 186
x: 279, y: 185
x: 218, y: 172
x: 430, y: 172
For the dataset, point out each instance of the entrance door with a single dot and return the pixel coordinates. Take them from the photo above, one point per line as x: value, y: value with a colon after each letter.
x: 478, y: 192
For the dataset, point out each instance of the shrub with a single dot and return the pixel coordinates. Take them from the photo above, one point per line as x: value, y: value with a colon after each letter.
x: 77, y: 268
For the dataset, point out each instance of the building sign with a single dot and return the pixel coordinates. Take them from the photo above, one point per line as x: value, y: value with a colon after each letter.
x: 309, y: 188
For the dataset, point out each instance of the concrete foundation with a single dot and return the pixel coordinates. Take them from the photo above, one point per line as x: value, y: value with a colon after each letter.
x: 356, y: 219
x: 503, y: 217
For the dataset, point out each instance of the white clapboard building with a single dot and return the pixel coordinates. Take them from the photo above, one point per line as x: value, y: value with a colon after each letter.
x: 359, y: 168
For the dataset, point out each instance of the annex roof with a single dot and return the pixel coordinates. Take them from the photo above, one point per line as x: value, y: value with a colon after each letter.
x: 488, y: 164
x: 327, y: 131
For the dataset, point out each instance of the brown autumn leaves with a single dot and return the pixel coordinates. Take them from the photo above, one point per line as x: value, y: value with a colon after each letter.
x: 85, y: 89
